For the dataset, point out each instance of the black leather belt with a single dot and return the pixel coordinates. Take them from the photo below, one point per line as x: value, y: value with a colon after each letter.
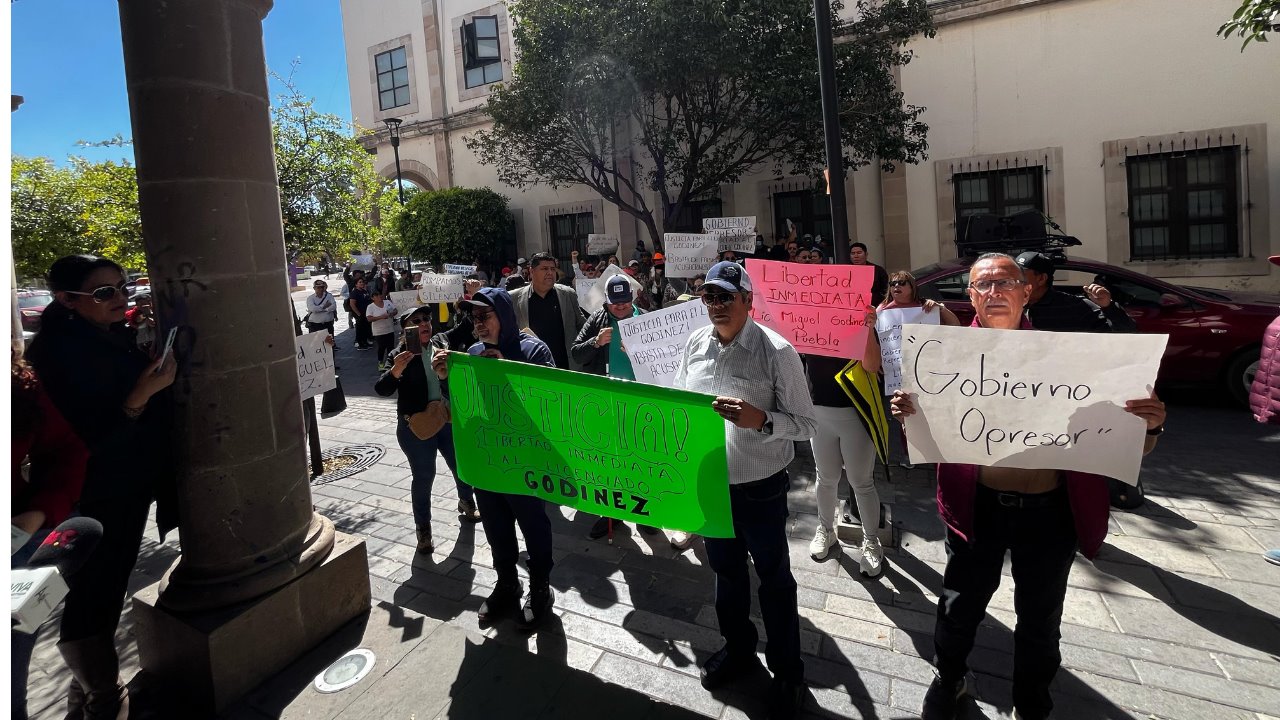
x: 1024, y: 501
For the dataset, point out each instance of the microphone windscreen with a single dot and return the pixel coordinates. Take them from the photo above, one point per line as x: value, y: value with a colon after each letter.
x: 69, y: 545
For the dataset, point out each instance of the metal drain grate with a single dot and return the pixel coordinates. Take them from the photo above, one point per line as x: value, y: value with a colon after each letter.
x: 365, y: 457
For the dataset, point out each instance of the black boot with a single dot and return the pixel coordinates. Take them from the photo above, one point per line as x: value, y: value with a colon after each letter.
x: 96, y: 667
x: 504, y: 600
x: 537, y: 606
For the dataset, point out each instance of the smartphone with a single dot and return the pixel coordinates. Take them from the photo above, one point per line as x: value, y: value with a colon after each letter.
x: 412, y: 340
x: 168, y: 348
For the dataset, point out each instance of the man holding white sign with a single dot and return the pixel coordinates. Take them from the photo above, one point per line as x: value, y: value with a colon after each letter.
x: 1004, y: 498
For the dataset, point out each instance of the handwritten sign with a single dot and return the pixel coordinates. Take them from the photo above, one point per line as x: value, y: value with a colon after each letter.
x: 689, y: 254
x: 594, y: 297
x: 405, y: 299
x: 363, y: 261
x: 889, y: 329
x: 439, y: 288
x: 584, y: 286
x: 1025, y: 399
x: 315, y: 365
x: 453, y: 269
x: 820, y: 309
x: 656, y: 341
x: 598, y: 244
x: 609, y: 447
x: 735, y: 233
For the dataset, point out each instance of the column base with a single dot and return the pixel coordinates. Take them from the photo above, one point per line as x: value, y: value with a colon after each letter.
x: 205, y: 662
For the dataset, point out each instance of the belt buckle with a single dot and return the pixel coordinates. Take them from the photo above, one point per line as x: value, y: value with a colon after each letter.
x: 1009, y: 499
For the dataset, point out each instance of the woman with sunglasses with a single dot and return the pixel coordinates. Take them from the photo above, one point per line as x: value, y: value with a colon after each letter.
x: 415, y: 386
x: 903, y: 294
x: 113, y: 396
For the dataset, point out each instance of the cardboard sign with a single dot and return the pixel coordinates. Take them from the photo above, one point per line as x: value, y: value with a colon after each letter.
x: 602, y: 244
x: 735, y: 233
x: 315, y: 365
x: 689, y: 254
x: 452, y: 269
x: 634, y: 452
x: 439, y: 288
x: 405, y: 299
x: 1026, y: 399
x: 889, y: 330
x: 820, y: 309
x: 594, y: 297
x: 656, y: 341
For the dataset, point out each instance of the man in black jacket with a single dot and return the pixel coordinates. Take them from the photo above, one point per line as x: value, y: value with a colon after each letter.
x: 1054, y: 310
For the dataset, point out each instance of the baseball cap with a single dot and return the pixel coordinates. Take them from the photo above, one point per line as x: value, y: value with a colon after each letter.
x: 728, y: 275
x: 1038, y: 262
x: 320, y: 283
x: 659, y: 257
x: 634, y: 263
x: 480, y: 300
x: 618, y: 289
x: 522, y: 262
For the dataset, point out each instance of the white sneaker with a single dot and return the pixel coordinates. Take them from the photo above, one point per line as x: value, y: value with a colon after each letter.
x: 823, y: 540
x: 680, y: 539
x: 871, y: 562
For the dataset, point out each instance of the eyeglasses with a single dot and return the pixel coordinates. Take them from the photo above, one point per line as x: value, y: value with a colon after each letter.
x: 713, y: 298
x: 106, y: 293
x: 480, y: 317
x: 1001, y: 285
x: 899, y: 283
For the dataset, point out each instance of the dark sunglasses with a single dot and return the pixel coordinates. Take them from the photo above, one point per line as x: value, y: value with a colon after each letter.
x: 714, y: 298
x: 480, y: 316
x: 107, y: 293
x: 899, y: 283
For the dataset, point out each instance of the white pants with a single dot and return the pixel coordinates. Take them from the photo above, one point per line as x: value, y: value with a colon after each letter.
x: 842, y: 442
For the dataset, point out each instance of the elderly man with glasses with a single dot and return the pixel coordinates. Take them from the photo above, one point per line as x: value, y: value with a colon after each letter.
x: 759, y: 387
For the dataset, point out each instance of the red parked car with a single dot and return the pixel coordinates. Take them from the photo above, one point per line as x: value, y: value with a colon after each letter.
x: 1214, y: 335
x: 31, y: 305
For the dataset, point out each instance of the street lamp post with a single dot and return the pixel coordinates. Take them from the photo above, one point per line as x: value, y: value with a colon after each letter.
x: 831, y: 128
x: 393, y: 129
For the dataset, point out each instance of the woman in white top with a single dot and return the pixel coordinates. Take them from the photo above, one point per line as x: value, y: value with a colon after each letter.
x: 322, y: 308
x: 381, y: 315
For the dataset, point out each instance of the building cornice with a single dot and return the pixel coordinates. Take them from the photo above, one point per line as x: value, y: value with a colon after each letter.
x: 464, y: 120
x: 947, y: 12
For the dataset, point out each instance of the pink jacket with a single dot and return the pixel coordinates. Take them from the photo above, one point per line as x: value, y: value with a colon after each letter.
x: 1264, y: 396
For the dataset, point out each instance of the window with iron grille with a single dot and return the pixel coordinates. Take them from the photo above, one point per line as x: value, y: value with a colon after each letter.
x: 689, y: 220
x: 568, y: 233
x: 997, y: 192
x: 1183, y: 205
x: 393, y: 78
x: 481, y: 51
x: 809, y: 210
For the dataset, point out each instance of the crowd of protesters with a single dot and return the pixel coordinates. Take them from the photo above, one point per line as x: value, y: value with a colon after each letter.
x: 93, y: 384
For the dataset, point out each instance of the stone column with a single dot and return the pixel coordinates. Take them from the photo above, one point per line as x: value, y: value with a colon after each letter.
x: 210, y: 207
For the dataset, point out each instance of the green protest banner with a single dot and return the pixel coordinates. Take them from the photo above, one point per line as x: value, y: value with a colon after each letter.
x: 629, y: 451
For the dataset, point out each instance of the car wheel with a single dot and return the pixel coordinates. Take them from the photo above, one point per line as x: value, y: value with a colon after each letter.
x: 1240, y: 373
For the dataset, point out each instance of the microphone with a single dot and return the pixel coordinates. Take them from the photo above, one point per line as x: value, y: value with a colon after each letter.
x: 69, y: 545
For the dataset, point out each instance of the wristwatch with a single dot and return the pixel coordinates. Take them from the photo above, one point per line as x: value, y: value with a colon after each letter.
x: 767, y: 427
x: 1153, y: 432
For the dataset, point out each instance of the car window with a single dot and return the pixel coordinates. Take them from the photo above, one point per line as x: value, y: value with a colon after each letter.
x: 1130, y: 293
x: 948, y: 287
x: 35, y: 301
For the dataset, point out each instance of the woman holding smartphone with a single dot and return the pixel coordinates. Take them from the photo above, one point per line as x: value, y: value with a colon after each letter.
x: 416, y: 387
x: 114, y: 396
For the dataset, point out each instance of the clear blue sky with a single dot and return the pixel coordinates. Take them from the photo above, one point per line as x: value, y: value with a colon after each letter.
x: 69, y: 66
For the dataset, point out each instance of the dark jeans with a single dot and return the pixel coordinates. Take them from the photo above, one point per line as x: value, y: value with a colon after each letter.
x: 499, y: 513
x: 760, y: 526
x: 95, y: 593
x: 316, y: 327
x: 1042, y: 543
x: 422, y: 462
x: 384, y: 343
x: 364, y: 332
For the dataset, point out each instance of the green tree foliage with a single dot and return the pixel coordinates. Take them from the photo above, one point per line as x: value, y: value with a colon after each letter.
x: 693, y: 94
x: 455, y: 225
x: 1252, y: 21
x: 84, y: 208
x: 331, y: 196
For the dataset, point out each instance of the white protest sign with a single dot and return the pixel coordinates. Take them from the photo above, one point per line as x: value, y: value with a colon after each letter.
x: 889, y: 328
x: 1026, y: 399
x: 593, y: 299
x: 689, y: 254
x: 656, y: 341
x: 453, y: 269
x: 584, y: 286
x: 364, y: 261
x: 405, y: 299
x: 439, y: 288
x: 601, y: 244
x: 315, y: 365
x: 735, y: 233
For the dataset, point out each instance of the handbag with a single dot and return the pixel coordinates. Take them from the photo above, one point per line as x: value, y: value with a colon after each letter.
x: 427, y: 423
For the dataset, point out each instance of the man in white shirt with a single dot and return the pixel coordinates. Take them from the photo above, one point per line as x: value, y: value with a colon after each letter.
x: 760, y: 390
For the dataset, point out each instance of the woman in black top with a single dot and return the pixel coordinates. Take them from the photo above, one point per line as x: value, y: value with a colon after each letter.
x: 113, y: 395
x: 416, y: 386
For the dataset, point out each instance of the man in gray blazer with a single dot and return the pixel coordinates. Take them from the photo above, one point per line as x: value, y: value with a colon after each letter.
x: 550, y: 310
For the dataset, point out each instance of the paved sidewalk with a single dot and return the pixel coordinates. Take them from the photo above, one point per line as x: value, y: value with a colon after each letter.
x: 1178, y: 618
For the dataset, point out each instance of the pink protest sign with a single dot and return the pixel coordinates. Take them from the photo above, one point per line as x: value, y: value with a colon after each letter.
x: 820, y: 309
